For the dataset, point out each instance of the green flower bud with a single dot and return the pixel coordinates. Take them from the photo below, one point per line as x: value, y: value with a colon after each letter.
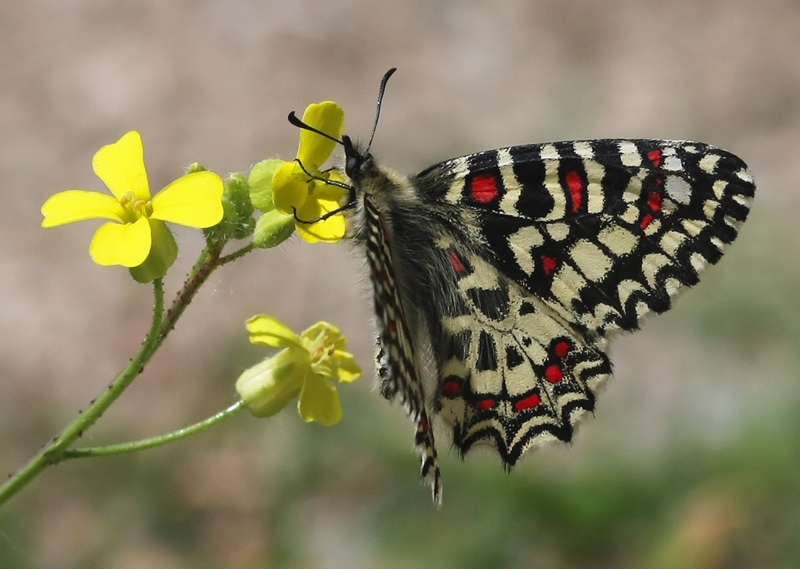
x: 272, y: 229
x: 195, y: 167
x: 261, y: 183
x: 269, y: 386
x: 238, y: 222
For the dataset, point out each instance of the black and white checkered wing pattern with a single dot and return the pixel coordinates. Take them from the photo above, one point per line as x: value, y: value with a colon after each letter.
x: 398, y: 371
x: 565, y: 243
x: 514, y: 374
x: 602, y: 231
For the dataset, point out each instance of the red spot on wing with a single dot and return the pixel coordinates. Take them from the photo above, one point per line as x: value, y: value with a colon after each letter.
x: 451, y: 387
x: 553, y: 374
x: 456, y: 262
x: 646, y: 221
x: 575, y: 185
x: 656, y: 157
x: 527, y: 403
x: 654, y: 200
x: 483, y: 188
x: 485, y: 404
x: 423, y: 424
x: 549, y: 264
x: 562, y: 349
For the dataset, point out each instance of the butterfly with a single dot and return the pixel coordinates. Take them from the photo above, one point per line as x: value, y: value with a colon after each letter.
x: 500, y: 277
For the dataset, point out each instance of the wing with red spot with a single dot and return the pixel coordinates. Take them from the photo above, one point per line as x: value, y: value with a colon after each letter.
x: 556, y: 246
x: 513, y: 373
x: 519, y: 263
x: 602, y: 231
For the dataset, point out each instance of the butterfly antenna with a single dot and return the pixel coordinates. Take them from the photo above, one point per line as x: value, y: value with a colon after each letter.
x: 300, y: 124
x: 378, y: 107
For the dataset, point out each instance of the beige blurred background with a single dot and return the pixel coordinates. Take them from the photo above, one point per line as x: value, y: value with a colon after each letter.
x: 690, y: 461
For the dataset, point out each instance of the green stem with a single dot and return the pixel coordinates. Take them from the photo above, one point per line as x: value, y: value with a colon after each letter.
x: 53, y: 451
x: 236, y: 254
x: 208, y: 261
x: 153, y: 442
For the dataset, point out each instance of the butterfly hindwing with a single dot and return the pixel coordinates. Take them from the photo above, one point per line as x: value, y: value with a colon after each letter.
x: 513, y: 373
x: 398, y: 370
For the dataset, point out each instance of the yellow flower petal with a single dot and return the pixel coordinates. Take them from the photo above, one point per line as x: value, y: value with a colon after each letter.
x: 314, y: 150
x: 77, y: 205
x: 121, y: 244
x: 195, y: 200
x: 269, y: 331
x: 319, y: 401
x: 330, y: 193
x: 337, y: 176
x: 289, y: 188
x: 348, y: 369
x: 315, y: 330
x: 329, y: 230
x: 332, y: 333
x: 121, y: 167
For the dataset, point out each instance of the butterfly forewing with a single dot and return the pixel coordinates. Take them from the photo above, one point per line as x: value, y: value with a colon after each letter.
x: 603, y: 231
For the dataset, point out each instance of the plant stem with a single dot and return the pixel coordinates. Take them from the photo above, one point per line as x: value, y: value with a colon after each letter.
x: 208, y: 261
x: 56, y: 449
x: 153, y: 442
x: 236, y: 254
x: 53, y: 451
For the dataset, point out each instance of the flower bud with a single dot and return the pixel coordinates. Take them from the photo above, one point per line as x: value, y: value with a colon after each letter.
x: 260, y: 181
x: 195, y: 167
x: 238, y: 222
x: 269, y: 386
x: 272, y: 229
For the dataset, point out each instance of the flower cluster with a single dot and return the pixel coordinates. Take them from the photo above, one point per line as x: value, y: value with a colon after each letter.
x: 298, y: 188
x: 291, y: 195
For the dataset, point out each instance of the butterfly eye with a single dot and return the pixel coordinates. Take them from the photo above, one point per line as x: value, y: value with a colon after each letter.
x: 352, y: 165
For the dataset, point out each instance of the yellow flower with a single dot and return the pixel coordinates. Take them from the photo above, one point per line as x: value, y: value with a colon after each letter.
x: 293, y: 189
x: 307, y: 366
x: 137, y: 236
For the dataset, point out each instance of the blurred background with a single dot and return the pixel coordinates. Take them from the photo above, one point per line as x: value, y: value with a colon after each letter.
x: 693, y: 457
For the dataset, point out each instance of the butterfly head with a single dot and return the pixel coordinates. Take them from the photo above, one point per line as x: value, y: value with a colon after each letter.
x: 359, y: 165
x: 357, y: 162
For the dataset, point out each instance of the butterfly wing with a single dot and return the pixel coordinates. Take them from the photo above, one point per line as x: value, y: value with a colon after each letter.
x: 514, y: 374
x: 557, y: 246
x: 398, y: 369
x: 603, y: 231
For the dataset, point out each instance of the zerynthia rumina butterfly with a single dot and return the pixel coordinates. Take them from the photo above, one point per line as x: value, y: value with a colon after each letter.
x: 500, y: 277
